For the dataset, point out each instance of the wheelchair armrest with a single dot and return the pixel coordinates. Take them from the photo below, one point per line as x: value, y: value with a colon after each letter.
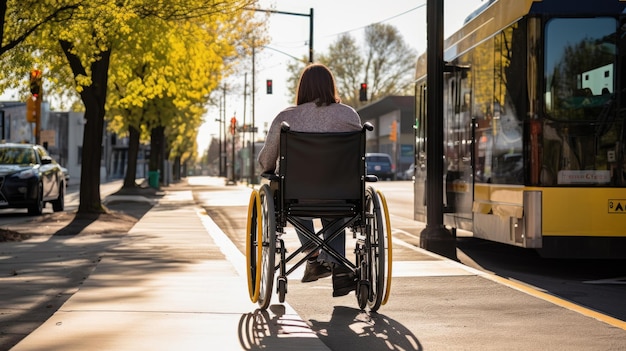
x: 371, y: 178
x: 270, y: 176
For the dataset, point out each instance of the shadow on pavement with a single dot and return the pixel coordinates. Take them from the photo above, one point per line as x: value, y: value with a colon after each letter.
x: 38, y: 276
x: 348, y: 329
x: 119, y: 211
x: 351, y: 329
x: 259, y: 331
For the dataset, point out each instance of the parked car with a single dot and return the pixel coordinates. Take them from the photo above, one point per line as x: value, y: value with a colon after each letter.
x: 379, y: 165
x: 30, y: 178
x: 408, y: 173
x: 66, y: 175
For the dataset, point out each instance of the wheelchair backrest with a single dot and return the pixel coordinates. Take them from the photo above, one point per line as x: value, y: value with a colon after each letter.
x: 322, y: 167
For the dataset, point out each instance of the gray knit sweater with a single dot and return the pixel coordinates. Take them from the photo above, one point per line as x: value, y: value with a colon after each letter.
x: 307, y: 118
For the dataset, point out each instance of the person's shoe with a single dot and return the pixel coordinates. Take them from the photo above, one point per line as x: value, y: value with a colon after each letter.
x: 343, y: 281
x: 315, y: 270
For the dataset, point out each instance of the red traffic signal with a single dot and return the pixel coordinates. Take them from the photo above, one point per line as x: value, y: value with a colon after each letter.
x: 35, y: 82
x: 233, y: 125
x: 268, y: 85
x: 363, y: 92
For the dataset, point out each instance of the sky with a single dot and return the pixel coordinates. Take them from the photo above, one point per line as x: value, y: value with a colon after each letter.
x: 289, y: 40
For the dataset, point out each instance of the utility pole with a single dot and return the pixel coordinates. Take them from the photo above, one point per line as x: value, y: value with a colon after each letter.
x: 253, y: 179
x: 223, y: 156
x: 435, y: 237
x: 243, y: 124
x: 233, y: 132
x: 220, y: 136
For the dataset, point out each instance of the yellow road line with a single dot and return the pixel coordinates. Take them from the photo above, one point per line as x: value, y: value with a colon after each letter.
x: 530, y: 290
x: 557, y: 301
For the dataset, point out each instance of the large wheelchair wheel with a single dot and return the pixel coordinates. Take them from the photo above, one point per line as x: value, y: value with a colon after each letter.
x: 378, y: 252
x: 268, y: 240
x: 261, y: 246
x: 254, y: 230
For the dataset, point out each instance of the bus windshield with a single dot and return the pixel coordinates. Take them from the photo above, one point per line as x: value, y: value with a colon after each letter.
x: 579, y: 66
x: 582, y: 131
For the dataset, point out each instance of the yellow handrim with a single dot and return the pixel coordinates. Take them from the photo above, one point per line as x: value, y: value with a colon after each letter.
x: 259, y: 250
x: 389, y: 246
x: 253, y: 289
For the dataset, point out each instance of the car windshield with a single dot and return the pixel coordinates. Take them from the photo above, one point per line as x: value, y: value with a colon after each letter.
x: 377, y: 159
x: 16, y: 156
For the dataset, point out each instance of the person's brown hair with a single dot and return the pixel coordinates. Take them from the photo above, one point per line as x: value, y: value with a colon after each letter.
x: 317, y: 84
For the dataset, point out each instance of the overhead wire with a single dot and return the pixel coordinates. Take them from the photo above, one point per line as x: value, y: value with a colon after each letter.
x: 381, y: 21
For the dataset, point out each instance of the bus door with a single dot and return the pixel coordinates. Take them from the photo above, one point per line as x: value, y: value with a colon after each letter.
x: 458, y: 144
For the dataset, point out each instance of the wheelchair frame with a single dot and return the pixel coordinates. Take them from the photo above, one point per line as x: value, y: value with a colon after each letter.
x: 297, y: 192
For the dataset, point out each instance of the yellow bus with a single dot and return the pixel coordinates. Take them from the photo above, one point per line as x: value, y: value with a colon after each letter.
x: 534, y: 127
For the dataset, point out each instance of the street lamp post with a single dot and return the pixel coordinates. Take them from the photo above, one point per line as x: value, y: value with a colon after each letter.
x: 252, y: 125
x: 309, y: 15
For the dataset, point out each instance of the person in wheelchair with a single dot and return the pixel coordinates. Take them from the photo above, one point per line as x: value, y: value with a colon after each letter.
x: 318, y: 109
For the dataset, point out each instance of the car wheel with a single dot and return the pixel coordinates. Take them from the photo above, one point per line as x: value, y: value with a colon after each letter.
x: 58, y: 205
x: 37, y: 207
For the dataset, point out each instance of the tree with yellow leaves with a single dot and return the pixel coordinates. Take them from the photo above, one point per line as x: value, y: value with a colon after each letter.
x: 161, y: 82
x: 77, y: 45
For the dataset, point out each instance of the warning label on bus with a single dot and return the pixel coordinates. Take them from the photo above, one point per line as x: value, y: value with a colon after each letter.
x: 617, y: 206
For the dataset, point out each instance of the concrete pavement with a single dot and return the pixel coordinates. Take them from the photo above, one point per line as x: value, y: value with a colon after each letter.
x: 168, y: 286
x: 176, y: 282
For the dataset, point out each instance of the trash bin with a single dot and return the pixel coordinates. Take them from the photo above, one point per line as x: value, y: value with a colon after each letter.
x: 153, y: 179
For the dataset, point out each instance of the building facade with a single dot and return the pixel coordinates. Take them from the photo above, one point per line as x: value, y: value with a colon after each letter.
x: 393, y: 118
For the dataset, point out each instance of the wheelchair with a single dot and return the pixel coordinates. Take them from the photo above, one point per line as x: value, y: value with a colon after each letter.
x: 321, y: 175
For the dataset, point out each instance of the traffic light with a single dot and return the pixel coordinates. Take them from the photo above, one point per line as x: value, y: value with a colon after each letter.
x: 33, y: 103
x: 393, y: 133
x: 363, y: 92
x: 233, y: 125
x: 35, y: 83
x: 268, y: 85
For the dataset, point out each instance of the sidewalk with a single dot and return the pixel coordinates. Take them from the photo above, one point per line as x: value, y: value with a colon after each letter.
x: 167, y: 286
x: 177, y: 282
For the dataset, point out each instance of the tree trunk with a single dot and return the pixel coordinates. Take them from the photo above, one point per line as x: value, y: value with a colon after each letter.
x: 94, y: 99
x: 133, y: 151
x: 176, y: 167
x: 156, y: 150
x: 165, y: 155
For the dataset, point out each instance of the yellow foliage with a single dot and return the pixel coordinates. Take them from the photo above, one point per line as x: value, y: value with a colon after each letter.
x: 167, y: 56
